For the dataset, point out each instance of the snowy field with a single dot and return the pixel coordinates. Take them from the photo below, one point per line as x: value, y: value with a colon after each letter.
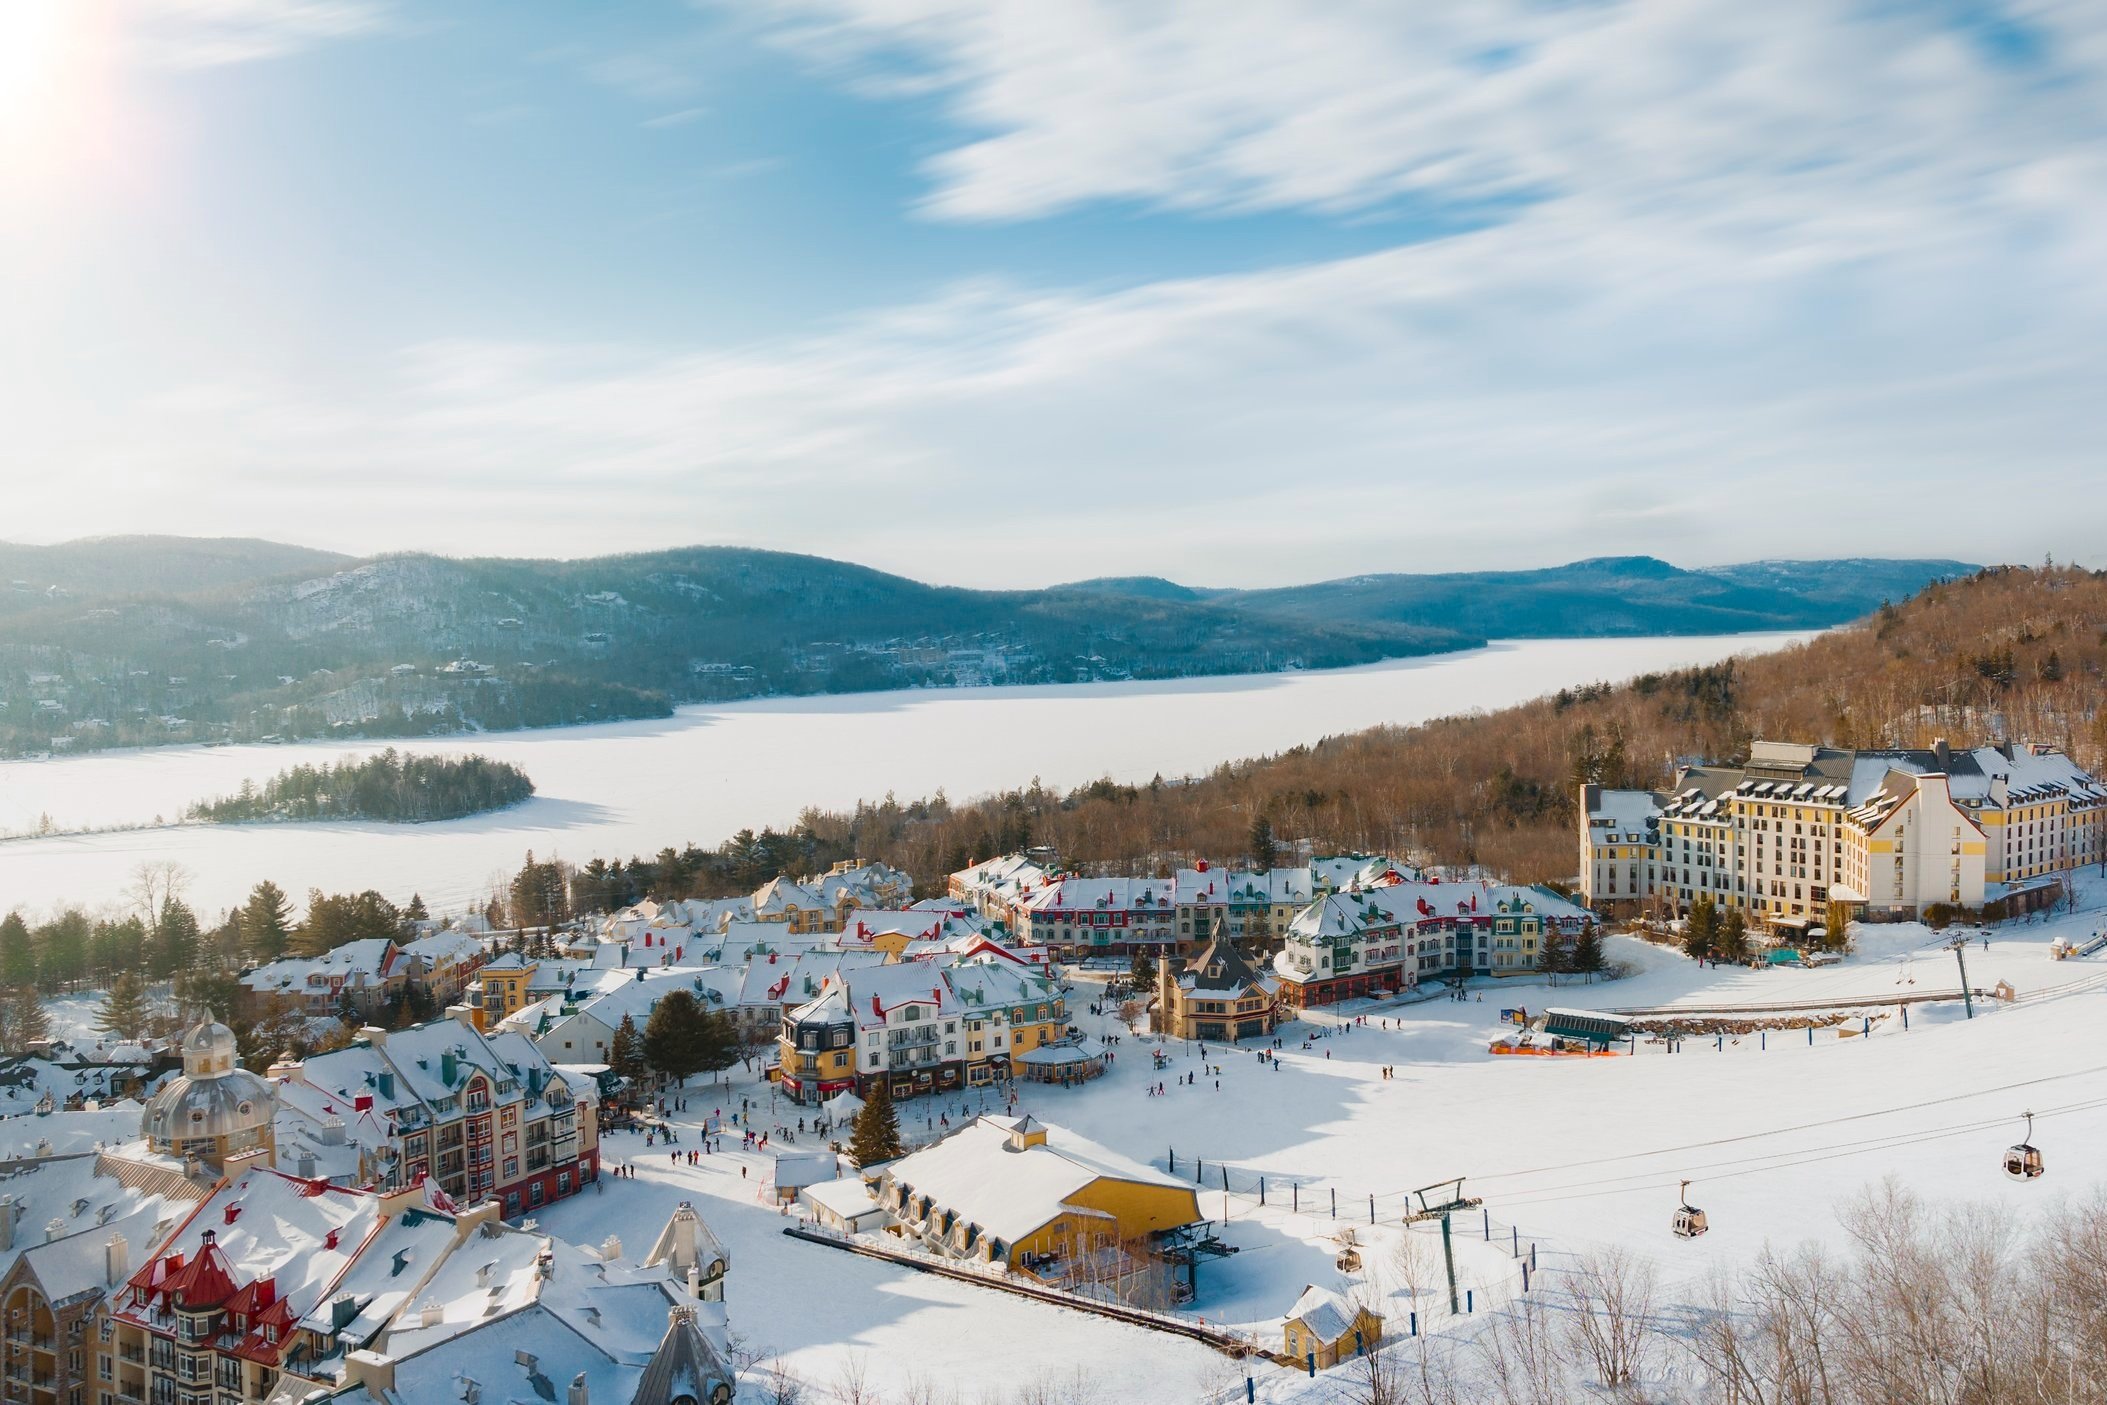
x: 707, y: 772
x: 1569, y: 1154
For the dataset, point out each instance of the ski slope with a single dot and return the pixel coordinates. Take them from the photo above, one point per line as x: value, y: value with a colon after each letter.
x: 1775, y: 1134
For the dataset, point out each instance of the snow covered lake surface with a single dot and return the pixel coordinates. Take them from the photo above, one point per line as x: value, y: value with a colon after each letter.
x: 705, y: 773
x: 1777, y: 1136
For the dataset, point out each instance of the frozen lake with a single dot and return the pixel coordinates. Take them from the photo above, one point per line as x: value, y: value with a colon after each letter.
x: 703, y: 774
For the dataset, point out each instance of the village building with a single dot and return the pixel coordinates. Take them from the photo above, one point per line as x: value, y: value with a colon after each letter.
x: 361, y: 976
x: 1216, y: 994
x: 216, y: 1110
x: 1078, y: 918
x: 1323, y: 1329
x: 481, y: 1115
x: 1882, y: 833
x: 1047, y: 1203
x: 1385, y: 940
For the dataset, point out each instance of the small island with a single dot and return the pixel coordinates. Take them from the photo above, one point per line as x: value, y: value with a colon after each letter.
x: 390, y: 787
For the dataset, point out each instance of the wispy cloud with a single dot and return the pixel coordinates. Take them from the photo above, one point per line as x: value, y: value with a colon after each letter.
x: 209, y: 33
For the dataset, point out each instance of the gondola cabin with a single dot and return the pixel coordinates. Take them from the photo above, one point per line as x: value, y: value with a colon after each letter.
x: 1689, y: 1221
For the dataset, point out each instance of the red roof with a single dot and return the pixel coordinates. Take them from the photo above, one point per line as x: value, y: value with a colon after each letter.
x: 206, y: 1281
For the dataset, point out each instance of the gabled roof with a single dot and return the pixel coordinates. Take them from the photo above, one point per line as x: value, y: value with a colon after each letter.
x: 1219, y: 967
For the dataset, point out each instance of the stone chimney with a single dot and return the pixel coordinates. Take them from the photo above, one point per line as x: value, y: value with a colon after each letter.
x: 1942, y: 754
x: 54, y: 1229
x: 10, y: 1212
x: 116, y: 1260
x: 577, y: 1394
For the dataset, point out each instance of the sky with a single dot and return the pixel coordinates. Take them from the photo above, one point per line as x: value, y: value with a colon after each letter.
x: 1009, y: 292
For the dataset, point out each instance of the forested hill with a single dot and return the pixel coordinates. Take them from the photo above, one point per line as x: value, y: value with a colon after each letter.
x: 154, y: 639
x: 2004, y: 654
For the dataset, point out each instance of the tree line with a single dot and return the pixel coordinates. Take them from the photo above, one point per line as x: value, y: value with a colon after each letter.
x: 389, y: 786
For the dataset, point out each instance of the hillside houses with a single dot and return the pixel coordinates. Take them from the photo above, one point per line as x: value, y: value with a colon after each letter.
x: 363, y: 976
x: 149, y: 1271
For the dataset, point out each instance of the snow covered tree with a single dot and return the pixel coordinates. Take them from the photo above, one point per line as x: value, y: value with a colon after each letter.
x: 876, y: 1136
x: 626, y: 1054
x: 124, y: 1009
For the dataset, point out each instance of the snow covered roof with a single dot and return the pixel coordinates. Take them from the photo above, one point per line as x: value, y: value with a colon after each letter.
x: 353, y: 965
x: 64, y: 1210
x: 1326, y: 1314
x: 1008, y: 1191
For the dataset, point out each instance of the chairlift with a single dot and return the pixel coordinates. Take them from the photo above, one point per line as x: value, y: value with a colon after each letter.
x: 2023, y: 1162
x: 1689, y: 1220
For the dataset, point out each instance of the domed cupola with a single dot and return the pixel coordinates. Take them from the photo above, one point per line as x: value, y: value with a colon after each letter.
x: 216, y: 1108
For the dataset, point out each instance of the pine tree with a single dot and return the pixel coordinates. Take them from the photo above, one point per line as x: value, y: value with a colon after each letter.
x: 124, y: 1009
x: 1734, y: 935
x: 876, y: 1136
x: 1587, y: 951
x: 720, y: 1042
x: 25, y: 1019
x: 175, y: 940
x: 1142, y: 972
x: 415, y: 911
x: 18, y: 959
x: 1701, y: 927
x: 267, y: 921
x: 626, y: 1054
x: 1263, y: 848
x: 674, y: 1036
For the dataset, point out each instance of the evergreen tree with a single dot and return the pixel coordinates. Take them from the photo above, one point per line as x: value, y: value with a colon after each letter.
x: 626, y: 1054
x: 1264, y: 850
x: 175, y: 940
x: 1555, y: 957
x: 62, y: 949
x: 876, y: 1136
x: 1734, y: 935
x: 1587, y: 951
x: 124, y: 1010
x: 213, y: 990
x: 674, y: 1036
x: 267, y: 921
x: 1701, y: 927
x: 415, y: 911
x: 25, y: 1020
x: 720, y: 1042
x: 1143, y: 972
x: 18, y: 959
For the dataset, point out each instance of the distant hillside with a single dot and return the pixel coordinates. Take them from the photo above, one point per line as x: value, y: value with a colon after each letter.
x: 103, y: 566
x: 1612, y: 596
x: 158, y: 639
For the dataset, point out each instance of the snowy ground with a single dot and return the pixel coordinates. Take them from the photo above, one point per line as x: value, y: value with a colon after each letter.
x: 1569, y: 1154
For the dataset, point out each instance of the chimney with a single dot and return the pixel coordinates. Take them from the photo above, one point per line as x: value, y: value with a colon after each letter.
x: 374, y: 1035
x: 342, y: 1309
x: 116, y: 1260
x: 431, y: 1314
x: 372, y: 1370
x: 462, y: 1014
x: 610, y: 1248
x: 577, y: 1394
x: 1942, y: 754
x: 54, y: 1230
x: 9, y: 1213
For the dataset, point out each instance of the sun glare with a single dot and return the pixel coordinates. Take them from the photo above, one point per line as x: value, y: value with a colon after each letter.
x: 33, y: 41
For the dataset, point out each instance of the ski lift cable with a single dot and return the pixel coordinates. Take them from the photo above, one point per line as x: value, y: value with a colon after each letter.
x: 1879, y: 1143
x: 1937, y: 1134
x: 1799, y: 1127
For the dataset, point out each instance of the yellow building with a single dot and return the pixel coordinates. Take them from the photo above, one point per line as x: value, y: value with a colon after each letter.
x: 501, y: 990
x: 1217, y: 995
x: 1047, y: 1203
x: 1328, y: 1327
